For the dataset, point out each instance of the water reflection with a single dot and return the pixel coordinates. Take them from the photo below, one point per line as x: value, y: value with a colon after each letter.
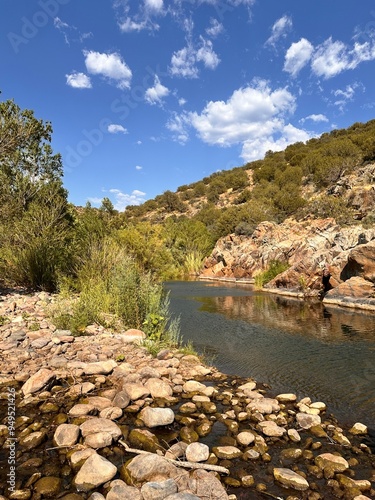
x: 327, y: 353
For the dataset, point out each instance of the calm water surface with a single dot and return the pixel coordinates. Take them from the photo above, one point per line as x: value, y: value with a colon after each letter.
x: 327, y: 353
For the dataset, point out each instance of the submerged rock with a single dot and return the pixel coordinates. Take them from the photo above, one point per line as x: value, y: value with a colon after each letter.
x: 95, y: 471
x: 290, y: 479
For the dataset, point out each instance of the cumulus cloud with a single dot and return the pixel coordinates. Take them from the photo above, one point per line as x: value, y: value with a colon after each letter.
x: 122, y: 200
x: 156, y: 5
x: 253, y: 116
x: 315, y: 118
x: 116, y: 129
x: 182, y: 101
x: 155, y: 94
x: 143, y: 19
x: 184, y: 61
x: 280, y: 29
x: 297, y: 56
x: 111, y: 66
x: 138, y: 167
x: 78, y: 81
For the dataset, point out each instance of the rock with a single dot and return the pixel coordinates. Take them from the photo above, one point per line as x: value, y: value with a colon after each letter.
x: 99, y: 402
x: 286, y: 398
x: 264, y: 406
x: 111, y: 413
x: 98, y: 440
x: 66, y: 435
x: 177, y: 450
x: 94, y: 425
x: 227, y: 452
x: 144, y: 440
x: 38, y: 381
x: 40, y: 343
x: 95, y: 471
x: 121, y: 400
x: 79, y: 457
x: 159, y: 490
x: 358, y: 428
x: 197, y: 452
x: 158, y: 388
x: 154, y: 417
x: 183, y: 496
x: 249, y: 386
x: 290, y: 479
x: 306, y: 421
x: 245, y: 438
x: 133, y: 335
x: 81, y: 410
x: 206, y: 486
x: 194, y: 386
x: 121, y: 491
x: 33, y: 440
x: 48, y: 487
x: 251, y: 455
x: 354, y: 290
x: 100, y: 368
x: 294, y: 435
x: 335, y: 462
x: 270, y: 428
x: 135, y: 390
x: 151, y: 467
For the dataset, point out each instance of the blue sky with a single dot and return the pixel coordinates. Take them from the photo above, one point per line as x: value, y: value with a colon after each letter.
x: 147, y: 95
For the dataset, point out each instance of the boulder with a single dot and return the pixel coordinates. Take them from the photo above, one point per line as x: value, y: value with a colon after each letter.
x: 264, y: 406
x: 94, y: 425
x: 159, y: 490
x: 334, y: 462
x: 100, y: 368
x: 40, y: 380
x: 154, y: 417
x: 151, y: 467
x: 95, y: 471
x: 197, y: 452
x: 158, y: 388
x: 66, y: 435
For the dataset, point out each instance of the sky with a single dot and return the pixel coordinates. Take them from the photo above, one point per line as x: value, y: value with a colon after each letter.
x: 145, y: 96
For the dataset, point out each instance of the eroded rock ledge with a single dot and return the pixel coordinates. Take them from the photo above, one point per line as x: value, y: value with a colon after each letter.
x: 325, y: 260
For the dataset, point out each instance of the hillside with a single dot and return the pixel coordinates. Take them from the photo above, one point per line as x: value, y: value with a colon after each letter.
x: 332, y: 176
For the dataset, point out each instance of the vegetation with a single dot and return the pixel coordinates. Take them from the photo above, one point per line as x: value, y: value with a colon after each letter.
x: 275, y: 267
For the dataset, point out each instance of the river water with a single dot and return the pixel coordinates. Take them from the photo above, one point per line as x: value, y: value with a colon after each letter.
x: 327, y: 353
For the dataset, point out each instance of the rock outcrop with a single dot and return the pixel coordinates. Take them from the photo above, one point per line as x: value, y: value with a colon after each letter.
x: 321, y: 257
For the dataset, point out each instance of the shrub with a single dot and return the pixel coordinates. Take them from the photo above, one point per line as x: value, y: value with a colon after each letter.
x: 275, y: 268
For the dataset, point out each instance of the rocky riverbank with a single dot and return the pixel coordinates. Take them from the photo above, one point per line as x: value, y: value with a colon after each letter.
x: 324, y: 260
x: 96, y: 417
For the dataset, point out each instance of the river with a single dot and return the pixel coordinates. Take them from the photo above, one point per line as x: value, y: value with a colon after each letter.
x: 327, y: 353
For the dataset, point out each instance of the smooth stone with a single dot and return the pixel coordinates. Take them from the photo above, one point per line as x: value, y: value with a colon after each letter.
x: 100, y: 367
x: 99, y: 402
x: 135, y: 390
x: 94, y: 425
x: 183, y: 496
x: 249, y: 386
x: 48, y: 487
x: 111, y: 413
x: 133, y: 335
x: 290, y: 479
x: 264, y: 406
x: 121, y: 400
x: 83, y: 388
x: 81, y: 410
x: 227, y: 452
x: 177, y: 450
x: 66, y: 435
x: 33, y: 440
x: 78, y: 457
x: 193, y: 386
x: 245, y: 438
x: 159, y: 490
x: 358, y: 428
x: 95, y: 471
x: 154, y: 417
x: 286, y: 398
x: 197, y: 452
x: 294, y: 435
x: 144, y: 440
x: 251, y: 455
x: 306, y: 421
x: 335, y: 462
x: 158, y: 388
x: 98, y: 440
x: 271, y: 429
x: 144, y: 468
x: 38, y: 381
x: 121, y: 491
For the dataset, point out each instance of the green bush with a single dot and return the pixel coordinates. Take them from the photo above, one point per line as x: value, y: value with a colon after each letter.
x: 275, y: 268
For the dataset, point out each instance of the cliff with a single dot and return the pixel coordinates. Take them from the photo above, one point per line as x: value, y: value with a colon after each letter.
x: 324, y: 259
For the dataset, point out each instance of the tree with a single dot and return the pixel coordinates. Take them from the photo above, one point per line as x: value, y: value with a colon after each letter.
x: 107, y: 206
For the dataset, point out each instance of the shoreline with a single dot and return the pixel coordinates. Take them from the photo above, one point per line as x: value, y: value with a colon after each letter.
x: 258, y: 430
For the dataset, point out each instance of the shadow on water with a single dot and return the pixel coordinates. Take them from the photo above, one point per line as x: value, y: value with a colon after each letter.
x: 327, y: 353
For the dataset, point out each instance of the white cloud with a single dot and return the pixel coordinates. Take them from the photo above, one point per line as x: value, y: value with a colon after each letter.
x: 94, y: 200
x: 346, y: 95
x: 207, y: 55
x: 333, y: 57
x: 122, y: 200
x: 111, y: 66
x: 182, y: 101
x: 215, y: 28
x: 138, y: 167
x: 155, y: 94
x: 183, y: 62
x: 297, y: 56
x: 116, y: 129
x: 156, y: 5
x: 129, y: 25
x: 139, y: 143
x: 315, y: 118
x: 253, y: 116
x: 59, y: 24
x: 280, y: 29
x: 78, y: 81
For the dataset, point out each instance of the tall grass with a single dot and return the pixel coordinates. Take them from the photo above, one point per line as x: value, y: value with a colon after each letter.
x: 275, y: 267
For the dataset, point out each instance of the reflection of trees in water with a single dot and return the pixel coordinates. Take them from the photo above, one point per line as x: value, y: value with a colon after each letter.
x: 310, y: 318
